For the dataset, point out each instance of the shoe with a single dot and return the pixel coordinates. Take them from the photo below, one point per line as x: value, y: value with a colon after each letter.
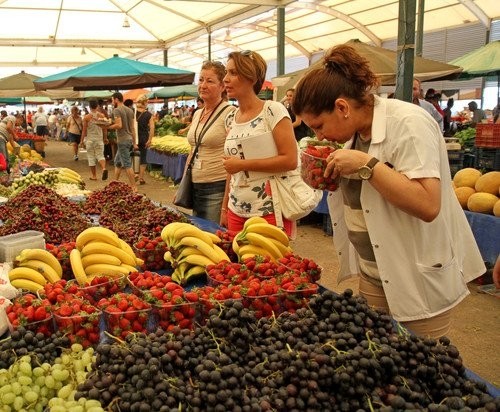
x: 136, y: 177
x: 75, y: 157
x: 105, y: 174
x: 142, y: 182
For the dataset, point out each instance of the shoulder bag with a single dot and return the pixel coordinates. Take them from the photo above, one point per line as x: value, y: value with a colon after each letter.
x: 184, y: 195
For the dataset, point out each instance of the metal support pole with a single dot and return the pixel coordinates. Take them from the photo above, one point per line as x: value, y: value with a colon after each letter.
x: 165, y: 57
x: 420, y: 27
x: 209, y: 31
x: 280, y: 58
x: 406, y: 50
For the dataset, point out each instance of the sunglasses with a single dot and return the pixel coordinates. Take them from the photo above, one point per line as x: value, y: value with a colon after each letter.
x: 247, y: 53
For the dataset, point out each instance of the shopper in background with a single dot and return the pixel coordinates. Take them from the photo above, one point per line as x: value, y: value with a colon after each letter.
x: 40, y: 122
x: 396, y: 206
x: 208, y: 130
x: 93, y: 139
x: 246, y: 197
x: 123, y: 123
x: 477, y: 114
x: 74, y: 126
x: 300, y: 129
x: 145, y: 132
x: 447, y: 122
x: 428, y: 107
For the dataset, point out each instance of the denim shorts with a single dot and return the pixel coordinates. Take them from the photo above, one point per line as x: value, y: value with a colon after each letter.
x: 207, y: 200
x: 73, y: 138
x: 122, y: 158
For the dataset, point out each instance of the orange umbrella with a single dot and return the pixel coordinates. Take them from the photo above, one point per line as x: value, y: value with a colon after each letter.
x: 135, y: 93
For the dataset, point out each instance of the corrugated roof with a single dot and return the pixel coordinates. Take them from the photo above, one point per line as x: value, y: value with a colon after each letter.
x: 70, y: 33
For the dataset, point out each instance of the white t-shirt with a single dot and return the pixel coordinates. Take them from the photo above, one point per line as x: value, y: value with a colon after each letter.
x: 251, y: 197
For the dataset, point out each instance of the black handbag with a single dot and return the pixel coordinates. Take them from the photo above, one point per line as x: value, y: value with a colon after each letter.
x: 184, y: 195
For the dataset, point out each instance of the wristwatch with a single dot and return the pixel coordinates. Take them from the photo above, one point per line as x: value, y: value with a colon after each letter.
x: 365, y: 172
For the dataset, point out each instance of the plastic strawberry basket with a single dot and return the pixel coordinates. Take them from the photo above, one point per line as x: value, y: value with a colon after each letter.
x: 296, y: 299
x: 264, y: 305
x: 312, y: 170
x: 94, y: 293
x: 120, y: 324
x: 83, y: 329
x: 45, y: 326
x: 168, y: 316
x: 153, y: 258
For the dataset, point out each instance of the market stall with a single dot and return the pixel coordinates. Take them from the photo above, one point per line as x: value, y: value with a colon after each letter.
x: 172, y: 165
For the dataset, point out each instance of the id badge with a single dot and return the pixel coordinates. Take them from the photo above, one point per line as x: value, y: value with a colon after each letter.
x: 197, y: 164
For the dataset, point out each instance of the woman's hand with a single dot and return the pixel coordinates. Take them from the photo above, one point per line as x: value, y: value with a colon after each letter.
x: 232, y: 164
x: 343, y: 162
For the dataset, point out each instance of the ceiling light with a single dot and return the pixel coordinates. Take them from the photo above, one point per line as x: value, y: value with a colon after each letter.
x: 228, y: 35
x: 125, y: 22
x: 83, y: 51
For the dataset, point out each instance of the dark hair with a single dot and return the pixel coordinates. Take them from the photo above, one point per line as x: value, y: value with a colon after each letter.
x: 128, y: 102
x: 93, y: 104
x: 117, y: 95
x: 344, y: 73
x: 251, y: 66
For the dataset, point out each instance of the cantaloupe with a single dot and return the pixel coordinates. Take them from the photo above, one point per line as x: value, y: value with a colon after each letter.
x: 496, y: 209
x: 463, y: 194
x: 489, y: 183
x: 466, y: 177
x: 481, y: 202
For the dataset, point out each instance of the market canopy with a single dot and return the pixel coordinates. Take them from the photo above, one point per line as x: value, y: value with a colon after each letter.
x: 482, y: 62
x: 384, y: 63
x: 190, y: 90
x: 115, y: 73
x: 21, y: 85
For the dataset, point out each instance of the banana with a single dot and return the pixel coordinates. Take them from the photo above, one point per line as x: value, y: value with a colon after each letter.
x: 176, y: 276
x: 96, y: 258
x: 27, y: 273
x: 252, y: 220
x: 253, y: 250
x: 192, y: 231
x: 167, y: 231
x: 168, y: 256
x: 248, y: 255
x: 127, y: 248
x: 282, y: 248
x: 262, y: 241
x: 193, y: 271
x: 98, y: 233
x: 75, y: 258
x: 42, y: 268
x: 44, y: 256
x: 129, y: 268
x: 222, y: 254
x: 204, y: 248
x: 197, y: 260
x: 269, y: 231
x: 235, y: 245
x: 188, y: 250
x: 26, y: 284
x: 70, y: 172
x: 101, y: 247
x: 139, y: 261
x: 215, y: 239
x: 105, y: 269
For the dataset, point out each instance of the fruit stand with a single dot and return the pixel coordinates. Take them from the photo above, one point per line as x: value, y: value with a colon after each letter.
x: 260, y: 335
x: 170, y: 152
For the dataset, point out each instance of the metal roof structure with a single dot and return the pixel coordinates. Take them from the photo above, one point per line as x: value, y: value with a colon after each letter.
x: 59, y: 34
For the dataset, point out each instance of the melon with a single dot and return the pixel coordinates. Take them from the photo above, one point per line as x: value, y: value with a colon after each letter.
x: 466, y: 177
x: 463, y: 194
x: 481, y: 202
x: 489, y: 183
x: 496, y: 209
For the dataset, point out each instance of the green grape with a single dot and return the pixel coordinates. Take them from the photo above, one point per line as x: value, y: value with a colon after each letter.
x: 95, y: 409
x: 31, y: 396
x: 65, y: 391
x: 40, y: 381
x: 16, y: 388
x: 25, y: 359
x: 5, y: 388
x: 25, y: 368
x: 76, y: 347
x: 58, y: 386
x: 55, y: 402
x: 60, y: 375
x: 86, y: 358
x: 3, y: 380
x: 76, y: 408
x: 38, y: 371
x: 24, y: 380
x: 91, y: 403
x: 81, y: 376
x: 46, y: 366
x: 65, y: 359
x: 58, y: 408
x: 50, y: 382
x: 18, y: 403
x: 8, y: 398
x: 38, y: 407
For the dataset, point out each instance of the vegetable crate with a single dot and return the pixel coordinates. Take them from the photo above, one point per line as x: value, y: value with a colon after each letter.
x: 488, y: 159
x: 488, y: 135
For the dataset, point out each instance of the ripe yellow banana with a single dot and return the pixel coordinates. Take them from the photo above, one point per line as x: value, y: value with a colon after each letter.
x: 262, y: 241
x: 168, y: 230
x: 96, y: 258
x: 98, y: 233
x: 127, y: 248
x: 168, y: 257
x: 252, y: 220
x: 204, y: 248
x: 26, y: 284
x: 139, y: 261
x: 44, y: 256
x: 42, y: 268
x: 27, y: 273
x: 188, y: 250
x: 195, y: 270
x: 253, y: 250
x: 70, y: 172
x: 197, y: 260
x: 105, y: 269
x: 270, y: 232
x: 235, y: 245
x: 222, y: 254
x: 176, y: 276
x: 189, y: 230
x: 129, y: 268
x: 215, y: 239
x: 101, y: 247
x: 282, y: 248
x: 75, y: 258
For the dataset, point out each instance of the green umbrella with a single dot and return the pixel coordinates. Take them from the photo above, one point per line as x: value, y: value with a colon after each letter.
x: 175, y: 91
x: 114, y: 74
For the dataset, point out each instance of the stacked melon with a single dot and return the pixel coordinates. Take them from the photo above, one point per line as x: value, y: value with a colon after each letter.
x: 478, y: 192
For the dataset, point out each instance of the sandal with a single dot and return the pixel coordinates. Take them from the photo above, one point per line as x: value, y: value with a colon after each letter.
x: 142, y: 182
x: 92, y: 178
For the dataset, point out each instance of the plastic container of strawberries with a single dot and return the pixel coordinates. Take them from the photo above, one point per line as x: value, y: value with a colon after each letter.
x: 109, y: 286
x: 312, y: 170
x: 291, y: 300
x: 83, y: 329
x: 120, y: 324
x: 45, y: 326
x: 264, y: 305
x: 170, y: 317
x: 153, y: 258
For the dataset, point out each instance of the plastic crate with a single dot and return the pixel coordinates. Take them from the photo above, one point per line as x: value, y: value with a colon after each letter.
x: 488, y: 135
x: 488, y: 159
x: 456, y: 160
x: 12, y: 245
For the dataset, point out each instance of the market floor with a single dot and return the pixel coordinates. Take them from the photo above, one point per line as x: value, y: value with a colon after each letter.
x: 476, y: 324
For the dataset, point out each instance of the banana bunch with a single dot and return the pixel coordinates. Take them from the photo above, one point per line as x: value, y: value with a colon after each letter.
x: 259, y: 237
x: 190, y: 250
x: 66, y: 175
x: 99, y: 251
x: 33, y: 268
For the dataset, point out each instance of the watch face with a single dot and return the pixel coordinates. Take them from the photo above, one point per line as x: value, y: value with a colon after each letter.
x: 365, y: 172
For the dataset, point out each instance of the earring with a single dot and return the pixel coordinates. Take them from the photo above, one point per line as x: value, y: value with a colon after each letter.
x: 346, y: 116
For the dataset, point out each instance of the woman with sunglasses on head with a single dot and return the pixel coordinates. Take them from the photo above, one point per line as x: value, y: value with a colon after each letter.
x: 396, y: 206
x: 207, y: 130
x: 246, y: 194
